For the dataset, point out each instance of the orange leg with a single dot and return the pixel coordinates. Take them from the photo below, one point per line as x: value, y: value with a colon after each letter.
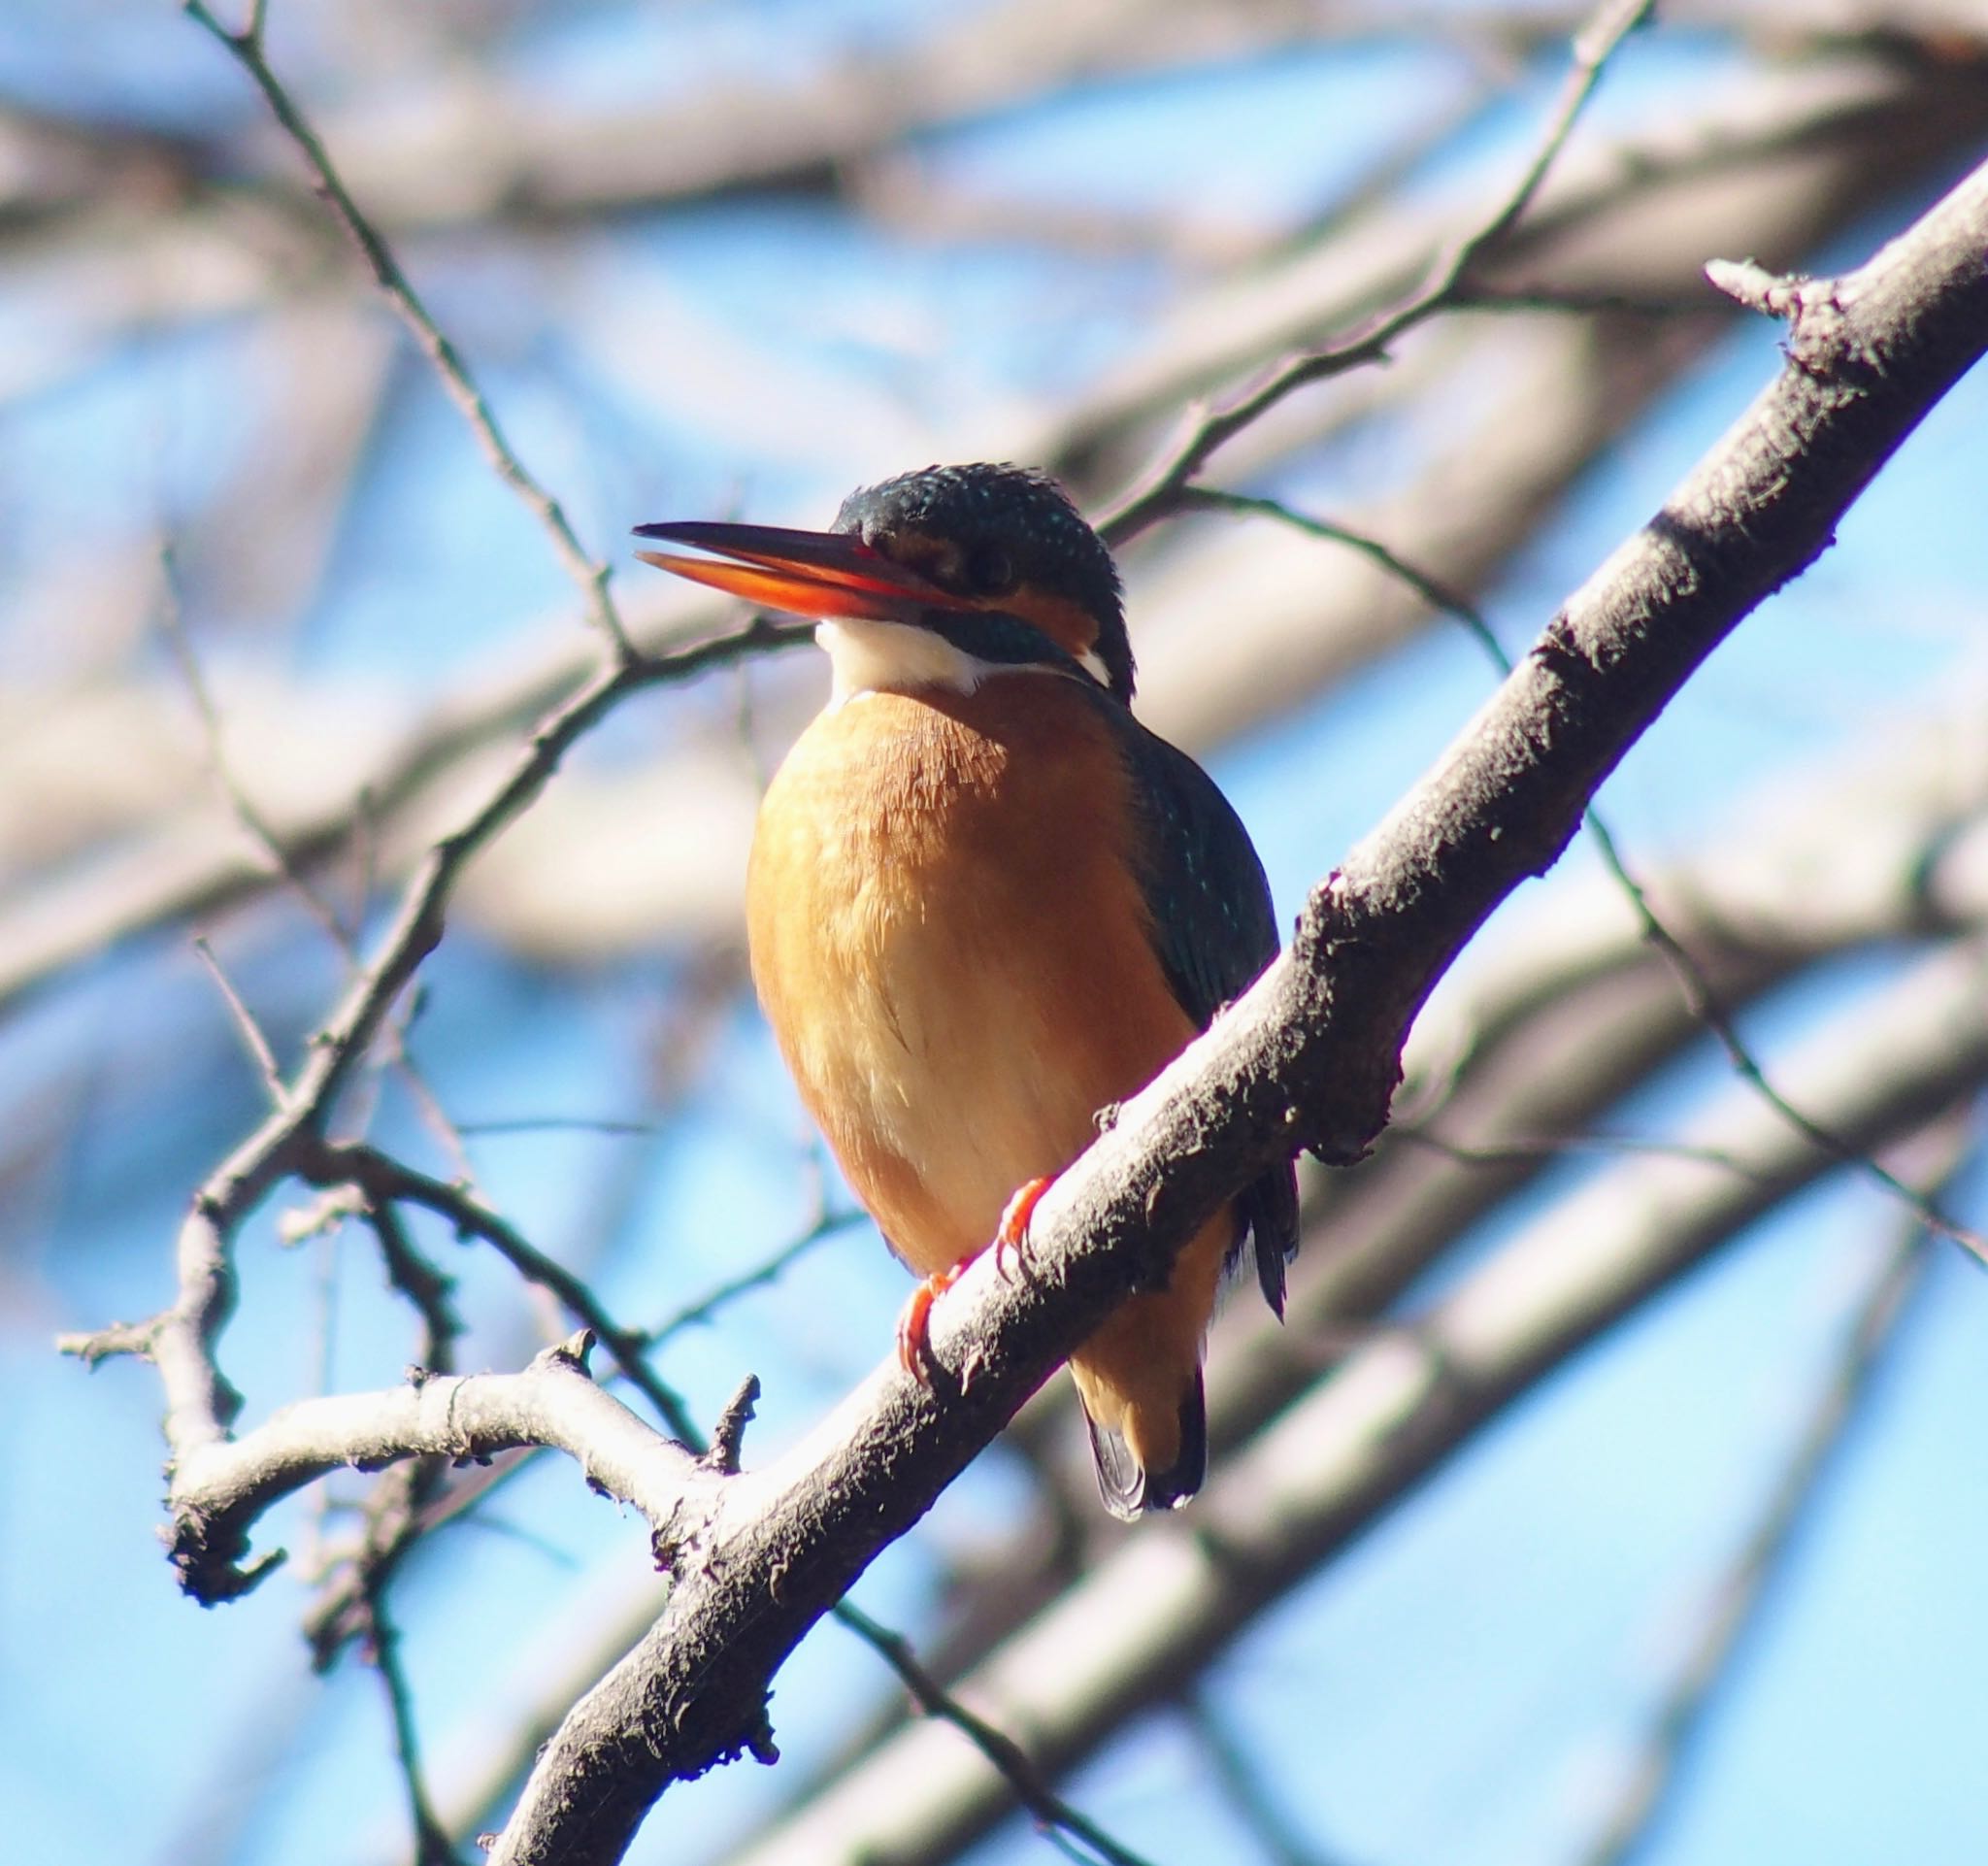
x: 1013, y: 1233
x: 914, y: 1326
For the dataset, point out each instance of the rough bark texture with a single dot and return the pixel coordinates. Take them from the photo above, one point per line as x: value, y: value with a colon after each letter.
x: 1309, y: 1057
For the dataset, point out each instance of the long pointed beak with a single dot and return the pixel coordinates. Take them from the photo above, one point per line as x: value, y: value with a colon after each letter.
x: 808, y: 573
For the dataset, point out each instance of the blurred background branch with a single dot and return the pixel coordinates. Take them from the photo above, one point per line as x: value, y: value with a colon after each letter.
x: 698, y: 260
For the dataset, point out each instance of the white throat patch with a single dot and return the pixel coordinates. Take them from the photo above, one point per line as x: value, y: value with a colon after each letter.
x: 870, y: 657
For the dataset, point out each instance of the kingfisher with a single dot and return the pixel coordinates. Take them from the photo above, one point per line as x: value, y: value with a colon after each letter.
x: 986, y: 905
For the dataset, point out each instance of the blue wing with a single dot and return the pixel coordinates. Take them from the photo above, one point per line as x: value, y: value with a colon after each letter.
x: 1213, y: 929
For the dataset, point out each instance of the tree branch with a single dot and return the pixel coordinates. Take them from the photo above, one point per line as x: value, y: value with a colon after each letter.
x: 184, y: 1340
x: 1156, y: 1612
x: 1161, y: 491
x: 590, y: 576
x: 1309, y: 1055
x: 1675, y: 1720
x: 219, y: 1494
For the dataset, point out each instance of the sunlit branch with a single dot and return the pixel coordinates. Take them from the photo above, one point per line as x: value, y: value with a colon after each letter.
x: 1166, y: 1606
x: 388, y: 1179
x: 1705, y: 1007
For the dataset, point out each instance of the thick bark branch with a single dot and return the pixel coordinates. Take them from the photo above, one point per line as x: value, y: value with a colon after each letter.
x: 1310, y: 1055
x: 1155, y: 1615
x: 220, y: 1490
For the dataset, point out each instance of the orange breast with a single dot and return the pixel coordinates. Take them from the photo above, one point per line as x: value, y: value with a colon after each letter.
x: 950, y: 944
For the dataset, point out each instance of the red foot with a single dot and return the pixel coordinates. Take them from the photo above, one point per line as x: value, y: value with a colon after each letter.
x: 1013, y: 1232
x: 914, y: 1326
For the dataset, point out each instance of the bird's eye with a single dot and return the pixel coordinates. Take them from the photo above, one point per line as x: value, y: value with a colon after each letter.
x: 990, y: 570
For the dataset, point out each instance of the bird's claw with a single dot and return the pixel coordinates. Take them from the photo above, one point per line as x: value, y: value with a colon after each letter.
x: 915, y: 1322
x: 1011, y: 1238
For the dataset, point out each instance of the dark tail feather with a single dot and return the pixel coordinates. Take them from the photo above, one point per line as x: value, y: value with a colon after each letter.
x: 1128, y: 1489
x: 1270, y: 1209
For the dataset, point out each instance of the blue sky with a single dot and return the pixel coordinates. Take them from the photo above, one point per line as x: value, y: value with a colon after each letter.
x: 1460, y: 1685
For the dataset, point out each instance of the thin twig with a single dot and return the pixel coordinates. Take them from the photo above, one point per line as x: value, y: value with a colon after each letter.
x: 1707, y: 1007
x: 240, y: 805
x: 391, y: 1517
x: 1159, y: 492
x: 1700, y: 997
x: 1527, y: 1152
x: 427, y: 1103
x: 728, y: 1436
x: 1579, y: 301
x: 590, y: 575
x: 1679, y: 1717
x: 394, y: 1515
x: 426, y: 1286
x: 774, y: 1266
x: 432, y: 1846
x: 1244, y: 1786
x: 1437, y: 594
x: 1001, y: 1749
x: 254, y: 1037
x: 556, y: 1125
x: 386, y: 1178
x: 235, y: 793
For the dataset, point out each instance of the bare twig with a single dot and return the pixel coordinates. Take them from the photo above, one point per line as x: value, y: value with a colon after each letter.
x: 1697, y: 990
x: 773, y: 1268
x: 1513, y: 1152
x: 728, y: 1435
x: 386, y: 1178
x: 417, y: 1280
x: 1677, y: 1718
x: 1439, y: 596
x: 432, y: 1845
x: 394, y: 1515
x: 1708, y: 1010
x: 1755, y: 286
x: 590, y: 575
x: 173, y: 626
x: 396, y: 1054
x: 1574, y: 301
x: 556, y: 1125
x: 254, y: 1037
x: 1158, y: 491
x: 1244, y: 1787
x: 1007, y: 1756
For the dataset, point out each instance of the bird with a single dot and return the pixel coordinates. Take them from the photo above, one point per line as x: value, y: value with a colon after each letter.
x: 986, y: 905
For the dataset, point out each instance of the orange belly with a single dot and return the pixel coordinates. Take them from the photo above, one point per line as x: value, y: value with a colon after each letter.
x: 951, y: 947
